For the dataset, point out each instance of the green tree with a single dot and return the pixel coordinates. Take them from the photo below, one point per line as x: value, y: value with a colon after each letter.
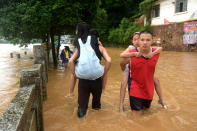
x: 121, y: 36
x: 22, y: 20
x: 119, y: 9
x: 110, y: 13
x: 146, y: 9
x: 66, y: 14
x: 100, y: 23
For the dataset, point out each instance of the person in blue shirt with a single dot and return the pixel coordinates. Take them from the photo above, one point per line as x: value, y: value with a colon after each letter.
x: 65, y: 55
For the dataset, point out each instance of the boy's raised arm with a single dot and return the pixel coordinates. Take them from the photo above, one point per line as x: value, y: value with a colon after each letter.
x: 127, y: 54
x: 156, y: 51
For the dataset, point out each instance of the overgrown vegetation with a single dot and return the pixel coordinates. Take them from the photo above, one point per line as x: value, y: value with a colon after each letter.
x: 121, y: 36
x: 22, y: 21
x: 146, y: 8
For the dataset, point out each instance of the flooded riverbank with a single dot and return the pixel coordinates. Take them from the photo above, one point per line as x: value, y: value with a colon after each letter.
x: 10, y: 71
x: 177, y: 72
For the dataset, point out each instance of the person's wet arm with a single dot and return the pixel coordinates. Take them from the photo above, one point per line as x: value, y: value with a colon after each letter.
x: 157, y: 50
x: 123, y: 63
x: 130, y: 54
x: 125, y: 53
x: 106, y: 57
x: 99, y: 43
x: 71, y: 63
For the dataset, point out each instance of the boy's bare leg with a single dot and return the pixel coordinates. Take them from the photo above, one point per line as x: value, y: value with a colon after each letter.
x: 104, y: 82
x: 159, y: 92
x: 72, y: 85
x: 122, y: 91
x: 65, y: 65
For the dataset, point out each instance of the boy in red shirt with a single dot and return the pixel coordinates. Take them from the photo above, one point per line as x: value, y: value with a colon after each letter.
x: 142, y: 73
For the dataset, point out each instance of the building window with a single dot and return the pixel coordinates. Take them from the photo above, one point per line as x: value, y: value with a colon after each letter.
x: 156, y: 11
x: 181, y: 6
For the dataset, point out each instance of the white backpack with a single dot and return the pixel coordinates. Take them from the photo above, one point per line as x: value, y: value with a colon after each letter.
x: 88, y: 66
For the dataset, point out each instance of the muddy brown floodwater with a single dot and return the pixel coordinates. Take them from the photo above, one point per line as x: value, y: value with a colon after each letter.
x: 10, y: 71
x: 177, y: 72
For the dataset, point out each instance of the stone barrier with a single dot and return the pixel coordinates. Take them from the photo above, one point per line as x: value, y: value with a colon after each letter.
x: 18, y: 56
x: 11, y: 55
x: 40, y: 57
x: 21, y: 114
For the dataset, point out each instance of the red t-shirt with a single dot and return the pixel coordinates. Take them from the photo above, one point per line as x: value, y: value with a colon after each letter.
x: 142, y: 76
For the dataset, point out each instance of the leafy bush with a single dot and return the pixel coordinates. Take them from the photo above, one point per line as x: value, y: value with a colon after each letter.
x: 121, y: 36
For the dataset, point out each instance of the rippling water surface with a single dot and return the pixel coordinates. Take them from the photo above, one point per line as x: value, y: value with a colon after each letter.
x: 177, y: 72
x: 10, y: 71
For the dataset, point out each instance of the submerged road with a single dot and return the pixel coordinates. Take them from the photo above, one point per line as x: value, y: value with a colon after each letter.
x: 177, y: 72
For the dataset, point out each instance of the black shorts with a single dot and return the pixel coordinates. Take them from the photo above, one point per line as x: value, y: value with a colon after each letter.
x: 139, y: 104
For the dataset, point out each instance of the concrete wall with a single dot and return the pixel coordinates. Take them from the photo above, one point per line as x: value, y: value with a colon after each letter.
x: 24, y: 113
x: 20, y: 114
x: 40, y: 57
x: 170, y: 37
x: 167, y: 11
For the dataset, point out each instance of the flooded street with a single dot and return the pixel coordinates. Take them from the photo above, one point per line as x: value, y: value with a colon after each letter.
x: 177, y: 72
x: 10, y: 71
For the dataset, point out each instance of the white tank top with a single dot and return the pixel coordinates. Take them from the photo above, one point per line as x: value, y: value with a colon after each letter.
x: 88, y: 66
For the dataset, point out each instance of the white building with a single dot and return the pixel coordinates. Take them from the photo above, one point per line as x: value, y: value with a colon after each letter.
x: 167, y: 11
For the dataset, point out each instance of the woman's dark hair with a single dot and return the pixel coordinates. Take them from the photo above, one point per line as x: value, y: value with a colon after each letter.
x: 94, y: 32
x: 82, y: 31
